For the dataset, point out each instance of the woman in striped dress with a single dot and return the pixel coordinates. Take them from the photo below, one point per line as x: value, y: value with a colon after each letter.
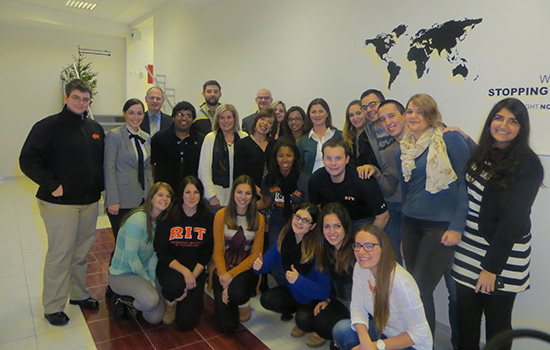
x: 492, y: 262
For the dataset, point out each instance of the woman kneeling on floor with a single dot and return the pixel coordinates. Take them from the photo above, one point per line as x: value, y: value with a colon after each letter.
x: 132, y: 273
x: 184, y: 243
x: 295, y: 252
x: 238, y: 240
x: 386, y: 310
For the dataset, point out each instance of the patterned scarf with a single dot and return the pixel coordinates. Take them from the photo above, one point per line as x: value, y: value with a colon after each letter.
x: 439, y: 171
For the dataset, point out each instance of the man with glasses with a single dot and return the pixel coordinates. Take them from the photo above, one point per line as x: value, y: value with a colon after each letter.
x: 175, y: 151
x: 263, y: 100
x: 338, y: 181
x: 154, y: 120
x: 63, y: 154
x: 378, y: 138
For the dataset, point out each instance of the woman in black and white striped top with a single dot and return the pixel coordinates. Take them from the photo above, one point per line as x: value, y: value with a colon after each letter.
x: 492, y: 261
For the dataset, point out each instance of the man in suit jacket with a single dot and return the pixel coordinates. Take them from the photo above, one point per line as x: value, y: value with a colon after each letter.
x: 263, y: 100
x: 154, y: 120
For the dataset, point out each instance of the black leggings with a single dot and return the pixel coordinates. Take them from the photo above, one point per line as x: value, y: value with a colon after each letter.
x: 496, y: 307
x: 189, y: 310
x: 279, y: 299
x: 325, y: 320
x: 239, y: 291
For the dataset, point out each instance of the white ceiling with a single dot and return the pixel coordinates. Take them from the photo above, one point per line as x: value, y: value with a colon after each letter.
x: 118, y: 11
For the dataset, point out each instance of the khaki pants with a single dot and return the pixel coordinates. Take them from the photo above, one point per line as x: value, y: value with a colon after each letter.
x: 71, y: 232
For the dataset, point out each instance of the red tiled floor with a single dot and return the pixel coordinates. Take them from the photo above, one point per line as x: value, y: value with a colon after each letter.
x: 242, y: 340
x: 93, y: 267
x: 104, y: 255
x: 168, y: 337
x: 98, y: 247
x: 106, y: 329
x: 132, y: 342
x: 196, y: 346
x: 108, y: 334
x: 97, y: 279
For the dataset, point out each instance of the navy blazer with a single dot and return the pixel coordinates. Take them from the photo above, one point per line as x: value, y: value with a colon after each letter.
x: 165, y: 122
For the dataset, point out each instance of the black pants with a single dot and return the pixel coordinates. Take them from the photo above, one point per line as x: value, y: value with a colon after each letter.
x: 426, y: 259
x: 325, y: 320
x: 239, y: 291
x: 189, y: 310
x: 279, y: 299
x: 471, y: 305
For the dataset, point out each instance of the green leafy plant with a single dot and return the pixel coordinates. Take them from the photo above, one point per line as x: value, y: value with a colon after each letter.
x: 84, y: 70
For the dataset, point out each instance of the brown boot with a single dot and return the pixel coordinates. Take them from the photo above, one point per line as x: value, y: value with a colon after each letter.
x: 245, y: 313
x: 297, y: 332
x: 170, y: 313
x: 315, y: 340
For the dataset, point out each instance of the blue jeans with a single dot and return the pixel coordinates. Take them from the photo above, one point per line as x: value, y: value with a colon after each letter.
x: 346, y: 338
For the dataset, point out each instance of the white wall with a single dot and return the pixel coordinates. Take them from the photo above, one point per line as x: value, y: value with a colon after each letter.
x: 139, y: 53
x: 310, y: 48
x: 31, y: 60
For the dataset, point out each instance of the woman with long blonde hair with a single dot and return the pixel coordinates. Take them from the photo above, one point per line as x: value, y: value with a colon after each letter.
x: 387, y: 292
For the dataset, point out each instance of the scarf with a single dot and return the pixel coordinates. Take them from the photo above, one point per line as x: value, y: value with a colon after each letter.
x: 291, y: 254
x: 220, y: 160
x: 439, y: 171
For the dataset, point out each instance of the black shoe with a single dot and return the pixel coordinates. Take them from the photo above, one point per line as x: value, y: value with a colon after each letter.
x: 57, y: 318
x: 122, y: 308
x: 286, y: 317
x: 125, y: 299
x: 109, y: 293
x: 88, y: 304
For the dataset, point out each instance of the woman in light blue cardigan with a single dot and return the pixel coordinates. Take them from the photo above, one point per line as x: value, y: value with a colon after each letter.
x: 132, y: 273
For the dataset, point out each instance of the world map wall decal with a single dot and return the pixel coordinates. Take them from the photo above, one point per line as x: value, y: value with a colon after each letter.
x: 423, y: 45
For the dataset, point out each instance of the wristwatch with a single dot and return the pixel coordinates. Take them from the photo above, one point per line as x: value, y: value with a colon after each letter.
x: 380, y: 345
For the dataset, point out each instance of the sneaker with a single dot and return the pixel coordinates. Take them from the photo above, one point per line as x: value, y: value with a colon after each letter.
x: 297, y: 332
x: 170, y: 313
x: 245, y: 313
x: 315, y: 340
x: 57, y: 318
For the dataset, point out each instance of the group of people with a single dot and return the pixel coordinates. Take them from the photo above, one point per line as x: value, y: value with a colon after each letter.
x: 354, y: 228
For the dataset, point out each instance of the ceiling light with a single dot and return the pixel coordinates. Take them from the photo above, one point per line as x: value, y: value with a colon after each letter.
x: 83, y: 5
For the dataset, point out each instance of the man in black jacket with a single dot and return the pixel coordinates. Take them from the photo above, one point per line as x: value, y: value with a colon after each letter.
x: 63, y: 154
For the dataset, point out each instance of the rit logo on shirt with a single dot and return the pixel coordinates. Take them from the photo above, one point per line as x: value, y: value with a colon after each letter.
x: 179, y: 232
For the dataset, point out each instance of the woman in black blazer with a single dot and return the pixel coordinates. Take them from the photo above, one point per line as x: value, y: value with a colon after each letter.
x: 492, y: 261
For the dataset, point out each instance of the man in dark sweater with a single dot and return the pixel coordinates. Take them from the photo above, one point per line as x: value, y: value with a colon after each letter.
x: 63, y: 154
x: 175, y: 151
x: 339, y: 182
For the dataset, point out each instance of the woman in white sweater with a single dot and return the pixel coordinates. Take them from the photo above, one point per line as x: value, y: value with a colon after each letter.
x: 386, y: 292
x: 216, y: 161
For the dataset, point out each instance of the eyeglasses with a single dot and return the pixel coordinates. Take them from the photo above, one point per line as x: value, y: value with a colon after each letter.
x: 263, y: 97
x: 304, y: 220
x: 370, y: 105
x: 369, y: 247
x: 78, y: 99
x: 186, y: 115
x: 293, y: 120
